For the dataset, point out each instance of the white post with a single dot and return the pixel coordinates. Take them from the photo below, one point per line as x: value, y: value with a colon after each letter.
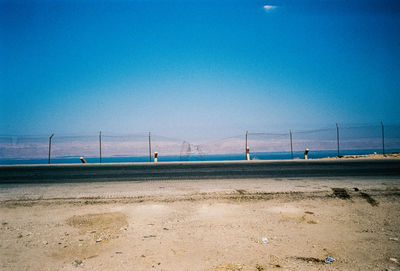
x: 155, y: 157
x: 306, y: 154
x: 247, y: 153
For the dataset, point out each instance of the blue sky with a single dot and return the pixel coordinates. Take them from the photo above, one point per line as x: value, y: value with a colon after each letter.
x: 196, y: 69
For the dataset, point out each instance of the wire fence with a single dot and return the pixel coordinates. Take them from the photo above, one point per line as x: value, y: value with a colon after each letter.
x: 140, y: 147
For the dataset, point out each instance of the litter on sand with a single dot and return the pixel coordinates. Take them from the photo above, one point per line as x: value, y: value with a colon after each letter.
x: 329, y: 259
x: 264, y: 240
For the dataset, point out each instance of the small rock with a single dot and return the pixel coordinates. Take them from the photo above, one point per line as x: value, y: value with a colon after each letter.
x: 118, y: 252
x: 19, y: 235
x: 93, y: 232
x: 99, y: 240
x: 165, y: 229
x: 393, y: 239
x: 45, y: 242
x: 394, y: 260
x: 264, y: 240
x: 77, y: 262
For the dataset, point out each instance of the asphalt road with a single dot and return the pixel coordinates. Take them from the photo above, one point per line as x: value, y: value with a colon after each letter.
x: 198, y: 170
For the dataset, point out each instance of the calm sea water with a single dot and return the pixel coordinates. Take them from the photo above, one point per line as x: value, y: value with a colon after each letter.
x: 213, y: 157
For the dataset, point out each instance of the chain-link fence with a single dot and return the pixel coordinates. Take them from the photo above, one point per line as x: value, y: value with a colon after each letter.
x: 107, y: 147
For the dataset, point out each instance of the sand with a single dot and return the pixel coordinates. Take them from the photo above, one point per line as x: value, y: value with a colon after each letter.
x: 202, y: 225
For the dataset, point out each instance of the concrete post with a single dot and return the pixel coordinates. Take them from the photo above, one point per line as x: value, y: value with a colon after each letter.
x: 155, y: 157
x: 306, y: 154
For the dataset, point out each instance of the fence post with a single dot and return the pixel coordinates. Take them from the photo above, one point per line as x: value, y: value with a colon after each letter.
x: 291, y: 144
x: 246, y: 144
x: 100, y: 145
x: 149, y: 147
x: 50, y: 146
x: 337, y: 138
x: 383, y: 138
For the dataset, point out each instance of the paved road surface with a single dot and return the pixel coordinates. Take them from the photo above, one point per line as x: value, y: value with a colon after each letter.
x: 198, y: 170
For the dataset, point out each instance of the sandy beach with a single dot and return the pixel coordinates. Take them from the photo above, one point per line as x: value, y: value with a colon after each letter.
x: 242, y: 224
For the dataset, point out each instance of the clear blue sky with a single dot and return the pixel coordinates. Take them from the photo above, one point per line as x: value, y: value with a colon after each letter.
x: 196, y: 69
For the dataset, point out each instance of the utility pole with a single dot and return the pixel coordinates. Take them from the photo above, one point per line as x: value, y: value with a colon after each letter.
x: 383, y: 138
x: 291, y: 144
x: 337, y: 138
x: 100, y: 145
x: 50, y: 146
x: 149, y: 146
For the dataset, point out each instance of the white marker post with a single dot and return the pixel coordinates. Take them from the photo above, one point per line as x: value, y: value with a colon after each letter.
x: 155, y: 157
x: 306, y: 154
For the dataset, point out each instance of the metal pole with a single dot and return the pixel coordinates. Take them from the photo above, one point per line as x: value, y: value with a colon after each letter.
x: 337, y: 137
x: 383, y: 138
x: 149, y: 146
x: 245, y: 150
x: 291, y: 144
x: 100, y: 145
x: 50, y: 146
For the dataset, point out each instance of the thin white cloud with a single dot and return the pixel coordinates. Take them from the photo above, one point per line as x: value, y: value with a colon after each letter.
x: 269, y: 7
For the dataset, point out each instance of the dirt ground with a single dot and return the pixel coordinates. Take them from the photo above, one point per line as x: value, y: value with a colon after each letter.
x: 260, y: 224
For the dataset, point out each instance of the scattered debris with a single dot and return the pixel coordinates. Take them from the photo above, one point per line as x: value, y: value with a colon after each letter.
x: 356, y: 189
x: 329, y: 259
x: 241, y: 191
x: 340, y: 193
x: 309, y: 212
x: 259, y: 267
x: 165, y: 229
x: 99, y: 240
x: 393, y: 239
x: 264, y: 240
x: 394, y: 260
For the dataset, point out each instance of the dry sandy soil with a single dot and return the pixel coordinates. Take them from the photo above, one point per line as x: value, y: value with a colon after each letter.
x: 202, y: 225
